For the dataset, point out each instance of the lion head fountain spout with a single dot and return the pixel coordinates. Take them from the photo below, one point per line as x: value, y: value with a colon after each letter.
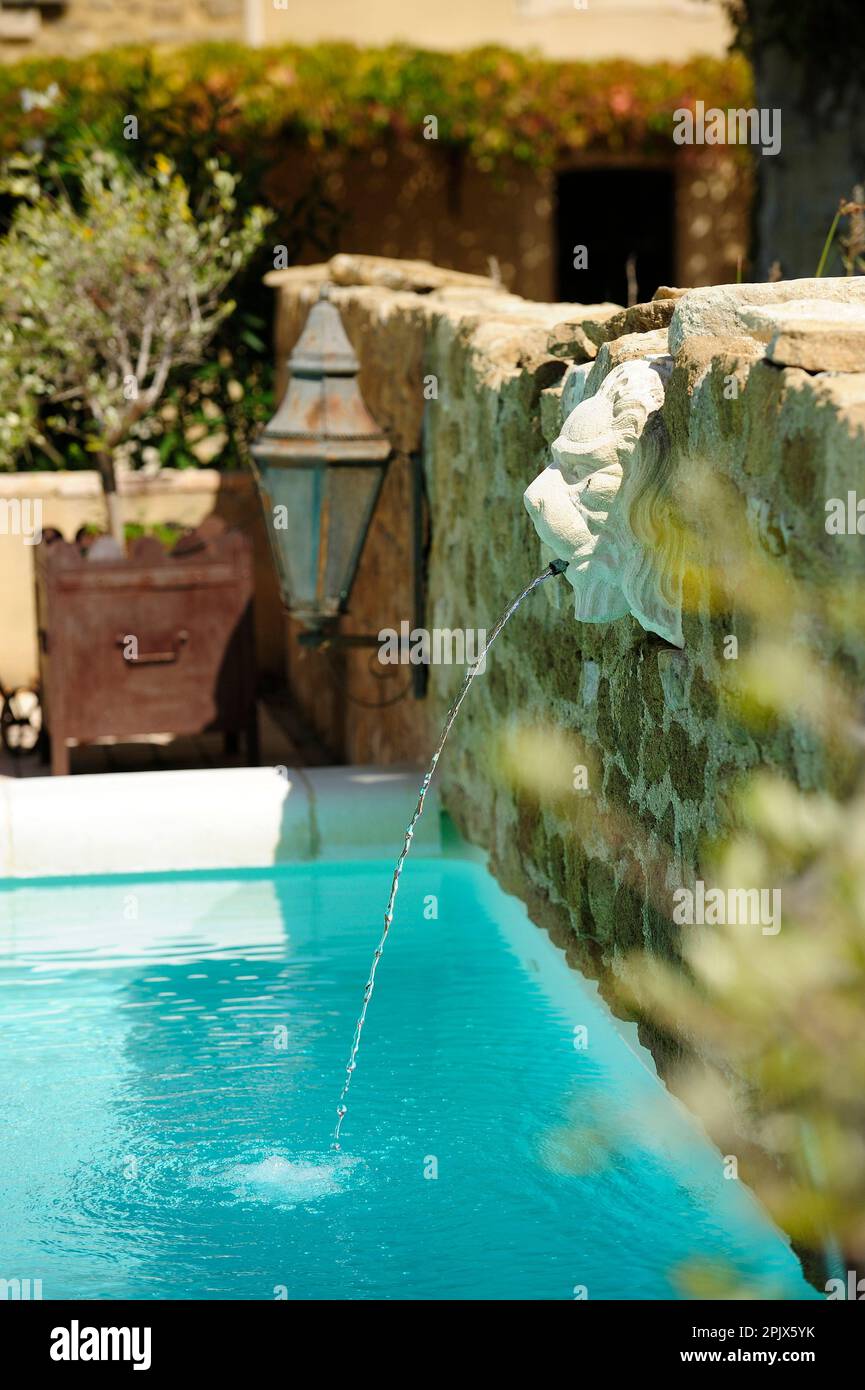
x: 602, y: 505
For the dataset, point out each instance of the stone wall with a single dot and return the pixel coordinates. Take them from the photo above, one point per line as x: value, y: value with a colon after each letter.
x: 80, y: 26
x: 431, y: 202
x: 652, y: 724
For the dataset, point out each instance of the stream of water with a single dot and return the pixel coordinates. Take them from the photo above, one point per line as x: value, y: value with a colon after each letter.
x: 556, y: 567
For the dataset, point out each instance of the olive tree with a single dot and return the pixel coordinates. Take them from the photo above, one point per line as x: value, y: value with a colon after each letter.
x: 105, y: 293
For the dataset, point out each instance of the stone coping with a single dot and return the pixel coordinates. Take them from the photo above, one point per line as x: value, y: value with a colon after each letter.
x: 213, y: 819
x: 85, y: 482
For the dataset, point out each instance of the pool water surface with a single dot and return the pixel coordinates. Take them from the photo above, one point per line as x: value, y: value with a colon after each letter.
x: 173, y: 1053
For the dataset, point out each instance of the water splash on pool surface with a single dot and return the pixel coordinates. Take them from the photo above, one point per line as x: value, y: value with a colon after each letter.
x: 557, y: 567
x: 289, y: 1182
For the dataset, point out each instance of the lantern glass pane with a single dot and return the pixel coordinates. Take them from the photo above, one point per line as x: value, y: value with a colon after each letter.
x: 351, y: 498
x: 296, y: 495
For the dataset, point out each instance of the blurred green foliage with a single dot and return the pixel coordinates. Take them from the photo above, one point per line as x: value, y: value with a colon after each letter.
x: 250, y: 108
x: 776, y: 1022
x: 249, y: 103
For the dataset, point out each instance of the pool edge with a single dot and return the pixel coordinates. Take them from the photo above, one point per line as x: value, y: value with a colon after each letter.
x: 190, y: 821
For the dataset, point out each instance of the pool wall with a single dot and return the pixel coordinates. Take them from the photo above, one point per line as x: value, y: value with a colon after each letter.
x: 221, y: 818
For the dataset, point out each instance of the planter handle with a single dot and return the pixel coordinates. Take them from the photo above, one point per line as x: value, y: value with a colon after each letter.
x: 155, y: 658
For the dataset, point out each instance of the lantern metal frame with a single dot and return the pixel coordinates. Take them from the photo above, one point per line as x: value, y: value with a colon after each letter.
x: 322, y: 427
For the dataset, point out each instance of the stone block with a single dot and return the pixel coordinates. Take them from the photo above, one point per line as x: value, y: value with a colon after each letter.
x: 720, y: 311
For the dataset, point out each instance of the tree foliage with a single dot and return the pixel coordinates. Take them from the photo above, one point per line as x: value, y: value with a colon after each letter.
x: 825, y: 38
x: 107, y: 289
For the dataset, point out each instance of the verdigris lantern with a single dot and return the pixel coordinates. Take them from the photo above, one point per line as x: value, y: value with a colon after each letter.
x: 320, y: 464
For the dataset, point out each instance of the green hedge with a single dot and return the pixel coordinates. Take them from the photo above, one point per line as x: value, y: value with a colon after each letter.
x: 490, y: 102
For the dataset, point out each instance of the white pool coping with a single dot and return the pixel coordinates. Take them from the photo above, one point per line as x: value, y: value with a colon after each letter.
x: 219, y: 818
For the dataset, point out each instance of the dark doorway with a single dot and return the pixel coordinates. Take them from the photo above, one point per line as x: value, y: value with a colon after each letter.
x: 617, y: 214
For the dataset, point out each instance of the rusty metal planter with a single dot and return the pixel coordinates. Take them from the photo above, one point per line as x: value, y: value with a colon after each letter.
x: 158, y: 642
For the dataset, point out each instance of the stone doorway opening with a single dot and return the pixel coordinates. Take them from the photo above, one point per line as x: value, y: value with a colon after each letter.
x: 625, y: 218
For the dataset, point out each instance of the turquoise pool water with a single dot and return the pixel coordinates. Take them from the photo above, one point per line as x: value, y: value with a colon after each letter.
x: 173, y: 1050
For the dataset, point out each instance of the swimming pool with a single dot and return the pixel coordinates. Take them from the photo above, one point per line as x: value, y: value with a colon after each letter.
x: 174, y: 1047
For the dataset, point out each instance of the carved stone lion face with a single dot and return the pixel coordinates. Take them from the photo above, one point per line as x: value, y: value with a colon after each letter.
x: 601, y: 505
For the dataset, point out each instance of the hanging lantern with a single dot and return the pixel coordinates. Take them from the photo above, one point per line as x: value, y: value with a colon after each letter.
x: 320, y: 464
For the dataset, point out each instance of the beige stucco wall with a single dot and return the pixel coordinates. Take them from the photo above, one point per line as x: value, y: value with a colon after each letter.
x: 72, y: 500
x: 646, y: 30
